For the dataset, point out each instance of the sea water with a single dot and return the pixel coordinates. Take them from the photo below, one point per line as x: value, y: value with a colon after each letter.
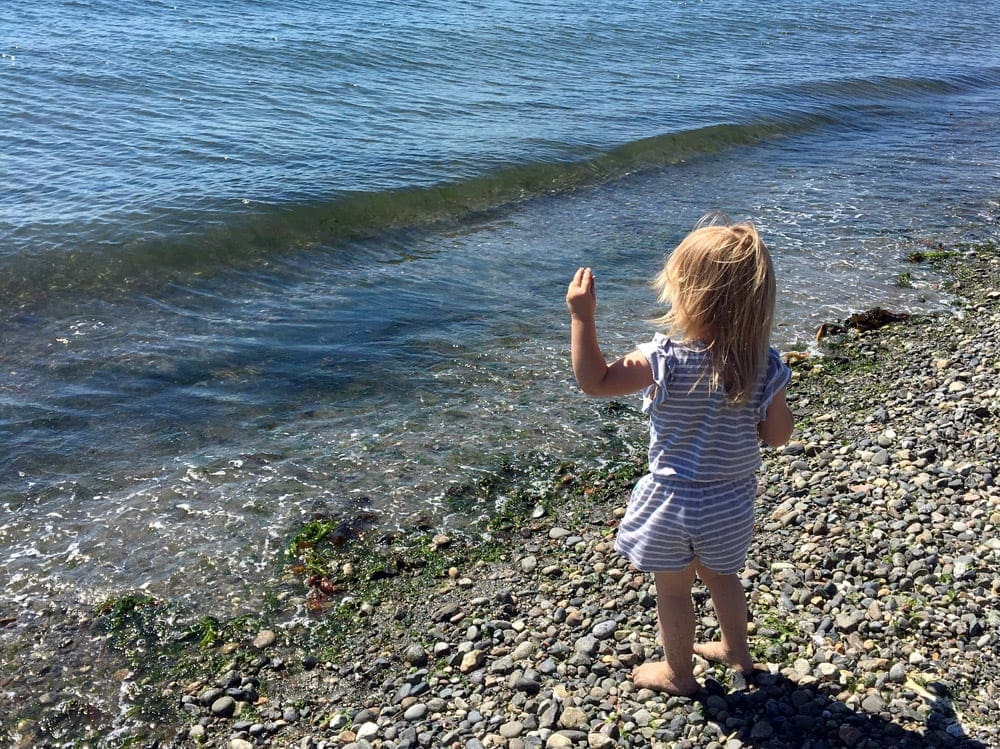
x: 266, y: 259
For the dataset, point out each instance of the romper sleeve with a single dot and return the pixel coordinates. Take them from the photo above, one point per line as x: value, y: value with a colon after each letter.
x: 777, y: 376
x: 661, y: 362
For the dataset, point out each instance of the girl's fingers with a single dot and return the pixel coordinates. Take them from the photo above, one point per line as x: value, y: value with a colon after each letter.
x: 583, y: 281
x: 577, y: 281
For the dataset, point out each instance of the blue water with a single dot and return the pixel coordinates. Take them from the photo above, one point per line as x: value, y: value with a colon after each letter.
x: 271, y: 258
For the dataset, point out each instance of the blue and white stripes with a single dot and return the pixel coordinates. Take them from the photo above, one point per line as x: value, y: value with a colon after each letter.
x: 697, y: 500
x: 696, y: 434
x: 671, y: 521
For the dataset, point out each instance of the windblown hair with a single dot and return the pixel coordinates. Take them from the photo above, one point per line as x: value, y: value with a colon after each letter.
x: 720, y: 288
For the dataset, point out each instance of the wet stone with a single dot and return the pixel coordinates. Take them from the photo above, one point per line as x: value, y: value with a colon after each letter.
x: 264, y: 639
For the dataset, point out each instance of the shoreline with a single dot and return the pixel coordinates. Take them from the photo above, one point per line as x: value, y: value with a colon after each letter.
x: 871, y: 582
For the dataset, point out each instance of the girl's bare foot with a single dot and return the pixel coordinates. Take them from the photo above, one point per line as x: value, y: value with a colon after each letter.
x: 658, y: 677
x: 718, y: 653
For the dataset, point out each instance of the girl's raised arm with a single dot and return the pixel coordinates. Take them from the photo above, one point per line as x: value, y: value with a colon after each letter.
x: 595, y: 377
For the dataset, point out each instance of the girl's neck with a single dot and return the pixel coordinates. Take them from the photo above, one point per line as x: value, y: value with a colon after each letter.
x: 701, y: 339
x: 694, y: 343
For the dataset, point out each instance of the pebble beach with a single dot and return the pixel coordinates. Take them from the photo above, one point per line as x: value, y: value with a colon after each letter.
x: 872, y: 583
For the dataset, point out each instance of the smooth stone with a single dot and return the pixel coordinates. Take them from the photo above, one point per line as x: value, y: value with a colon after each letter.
x: 873, y: 703
x: 600, y: 741
x: 512, y: 729
x: 415, y: 656
x: 524, y: 651
x: 897, y: 673
x: 415, y: 712
x: 573, y: 718
x: 761, y: 730
x: 527, y: 685
x: 367, y: 731
x: 605, y: 629
x: 471, y: 661
x: 586, y: 645
x: 224, y: 706
x: 264, y: 639
x: 827, y: 670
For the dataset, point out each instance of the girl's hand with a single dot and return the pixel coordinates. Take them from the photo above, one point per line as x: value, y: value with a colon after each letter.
x: 581, y: 297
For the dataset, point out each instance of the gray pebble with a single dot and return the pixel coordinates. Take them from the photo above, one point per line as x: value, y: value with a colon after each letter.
x: 415, y: 712
x: 604, y: 629
x: 224, y: 706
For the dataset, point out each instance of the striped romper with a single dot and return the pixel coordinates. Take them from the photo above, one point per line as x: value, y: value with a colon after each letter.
x: 696, y: 502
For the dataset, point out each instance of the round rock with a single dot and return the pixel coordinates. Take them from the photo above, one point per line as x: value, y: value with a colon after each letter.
x: 415, y: 656
x: 605, y: 629
x: 415, y: 712
x: 224, y: 706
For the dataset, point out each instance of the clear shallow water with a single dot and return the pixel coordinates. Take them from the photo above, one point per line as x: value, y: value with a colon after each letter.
x: 264, y: 262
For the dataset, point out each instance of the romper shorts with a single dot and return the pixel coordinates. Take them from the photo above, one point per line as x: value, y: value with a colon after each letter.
x: 671, y: 522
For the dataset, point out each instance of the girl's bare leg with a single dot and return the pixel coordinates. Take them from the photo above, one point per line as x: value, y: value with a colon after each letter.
x: 675, y: 613
x: 731, y: 610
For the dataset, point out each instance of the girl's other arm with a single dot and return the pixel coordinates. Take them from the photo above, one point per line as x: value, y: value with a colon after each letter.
x: 593, y: 374
x: 777, y: 426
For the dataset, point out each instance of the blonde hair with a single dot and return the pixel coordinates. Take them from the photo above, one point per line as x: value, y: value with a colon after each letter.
x: 720, y: 288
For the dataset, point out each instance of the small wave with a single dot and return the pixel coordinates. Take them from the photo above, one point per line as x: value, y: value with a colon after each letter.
x: 209, y: 244
x: 845, y: 94
x: 246, y: 239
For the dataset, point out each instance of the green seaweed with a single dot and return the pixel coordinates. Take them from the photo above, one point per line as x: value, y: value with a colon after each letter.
x: 524, y: 493
x: 133, y: 621
x: 160, y: 648
x: 930, y: 256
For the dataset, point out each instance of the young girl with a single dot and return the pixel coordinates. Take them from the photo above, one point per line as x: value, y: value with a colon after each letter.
x: 713, y: 390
